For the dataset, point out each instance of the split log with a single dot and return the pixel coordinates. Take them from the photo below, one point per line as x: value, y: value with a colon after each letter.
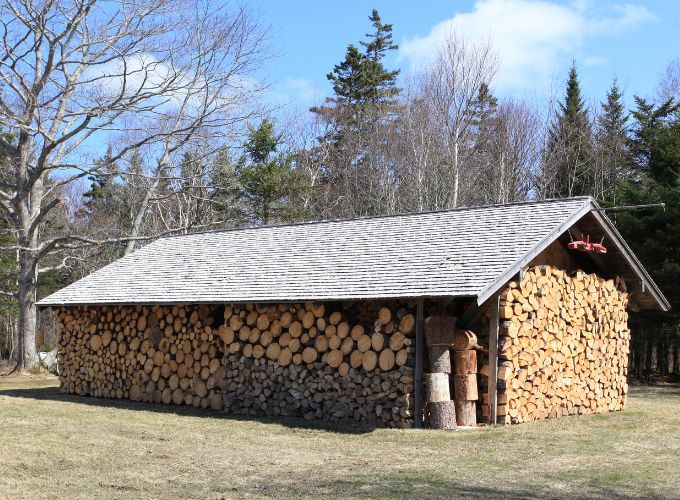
x: 563, y: 345
x: 463, y: 340
x: 257, y: 359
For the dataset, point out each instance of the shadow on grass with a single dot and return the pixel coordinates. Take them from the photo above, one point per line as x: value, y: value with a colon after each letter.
x: 658, y: 391
x: 53, y: 394
x: 426, y: 486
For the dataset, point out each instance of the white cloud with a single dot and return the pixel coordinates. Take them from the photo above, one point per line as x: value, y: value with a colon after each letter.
x: 302, y: 88
x: 294, y: 91
x: 531, y: 37
x: 595, y: 61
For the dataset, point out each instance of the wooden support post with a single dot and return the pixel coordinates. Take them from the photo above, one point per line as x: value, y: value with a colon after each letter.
x: 494, y: 304
x: 420, y: 349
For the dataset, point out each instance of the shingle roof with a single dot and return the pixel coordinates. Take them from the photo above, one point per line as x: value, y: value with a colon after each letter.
x: 460, y: 252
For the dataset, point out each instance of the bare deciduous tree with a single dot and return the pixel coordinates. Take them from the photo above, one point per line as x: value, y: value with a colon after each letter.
x: 451, y: 85
x: 150, y: 74
x: 669, y: 86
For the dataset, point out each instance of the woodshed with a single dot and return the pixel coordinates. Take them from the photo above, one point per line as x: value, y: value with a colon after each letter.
x: 500, y: 314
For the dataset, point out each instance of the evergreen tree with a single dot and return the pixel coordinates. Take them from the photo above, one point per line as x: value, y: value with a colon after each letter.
x: 568, y: 162
x: 654, y: 234
x: 225, y: 192
x: 656, y: 140
x: 483, y: 110
x: 364, y: 90
x: 358, y: 117
x: 484, y: 144
x: 612, y: 155
x: 103, y: 194
x: 381, y: 39
x: 266, y: 177
x: 9, y: 306
x: 382, y: 84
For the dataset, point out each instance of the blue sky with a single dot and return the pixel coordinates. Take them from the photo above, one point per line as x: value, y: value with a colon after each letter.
x: 535, y: 39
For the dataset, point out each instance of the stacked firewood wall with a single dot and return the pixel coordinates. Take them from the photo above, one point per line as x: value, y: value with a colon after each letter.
x: 354, y: 362
x: 307, y: 360
x: 168, y: 354
x: 563, y: 346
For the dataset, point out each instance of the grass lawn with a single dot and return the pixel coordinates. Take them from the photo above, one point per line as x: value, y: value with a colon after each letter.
x: 71, y: 447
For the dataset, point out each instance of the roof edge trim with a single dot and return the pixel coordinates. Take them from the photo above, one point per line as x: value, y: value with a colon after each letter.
x: 612, y: 233
x: 632, y: 259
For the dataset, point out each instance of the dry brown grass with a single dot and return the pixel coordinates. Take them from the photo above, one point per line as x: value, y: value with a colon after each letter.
x: 71, y: 447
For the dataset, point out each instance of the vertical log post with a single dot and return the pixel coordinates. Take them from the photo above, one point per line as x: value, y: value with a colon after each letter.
x: 420, y: 348
x: 494, y: 304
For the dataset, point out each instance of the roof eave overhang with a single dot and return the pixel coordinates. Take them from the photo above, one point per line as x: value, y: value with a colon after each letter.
x: 612, y: 233
x: 271, y: 300
x: 631, y: 259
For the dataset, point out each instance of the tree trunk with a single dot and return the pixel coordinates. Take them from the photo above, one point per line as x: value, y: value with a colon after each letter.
x: 676, y: 352
x: 649, y: 352
x: 28, y: 354
x: 456, y: 170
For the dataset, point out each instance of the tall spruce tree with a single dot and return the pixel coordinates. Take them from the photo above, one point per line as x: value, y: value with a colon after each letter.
x: 612, y: 153
x: 364, y: 90
x: 382, y: 84
x: 102, y: 194
x: 358, y: 117
x: 568, y: 163
x: 656, y: 140
x: 654, y: 234
x: 483, y: 141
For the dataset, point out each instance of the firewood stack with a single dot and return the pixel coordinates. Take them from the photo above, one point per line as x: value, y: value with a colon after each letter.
x: 305, y: 360
x: 299, y: 359
x: 563, y: 346
x: 168, y: 354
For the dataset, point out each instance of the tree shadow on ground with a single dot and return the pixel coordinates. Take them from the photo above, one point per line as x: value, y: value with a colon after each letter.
x: 660, y: 390
x: 53, y: 394
x: 409, y: 485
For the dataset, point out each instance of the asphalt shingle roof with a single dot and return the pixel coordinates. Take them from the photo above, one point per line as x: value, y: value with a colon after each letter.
x: 460, y: 252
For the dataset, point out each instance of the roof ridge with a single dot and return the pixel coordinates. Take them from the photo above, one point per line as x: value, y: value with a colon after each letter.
x: 382, y: 216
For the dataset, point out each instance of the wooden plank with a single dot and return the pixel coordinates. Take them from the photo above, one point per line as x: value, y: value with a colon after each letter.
x: 420, y: 348
x: 494, y: 304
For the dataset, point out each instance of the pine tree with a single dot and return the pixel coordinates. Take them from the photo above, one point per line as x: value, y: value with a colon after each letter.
x: 381, y: 83
x: 381, y: 39
x: 102, y: 192
x: 225, y: 190
x: 266, y: 177
x: 569, y: 159
x: 364, y: 90
x: 612, y: 154
x: 656, y: 140
x: 483, y: 144
x: 654, y: 234
x: 358, y: 118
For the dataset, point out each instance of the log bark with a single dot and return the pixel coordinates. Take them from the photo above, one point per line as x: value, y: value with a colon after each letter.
x: 442, y: 415
x: 440, y: 359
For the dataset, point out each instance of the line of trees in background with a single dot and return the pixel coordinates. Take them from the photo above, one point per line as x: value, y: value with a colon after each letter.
x: 189, y: 150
